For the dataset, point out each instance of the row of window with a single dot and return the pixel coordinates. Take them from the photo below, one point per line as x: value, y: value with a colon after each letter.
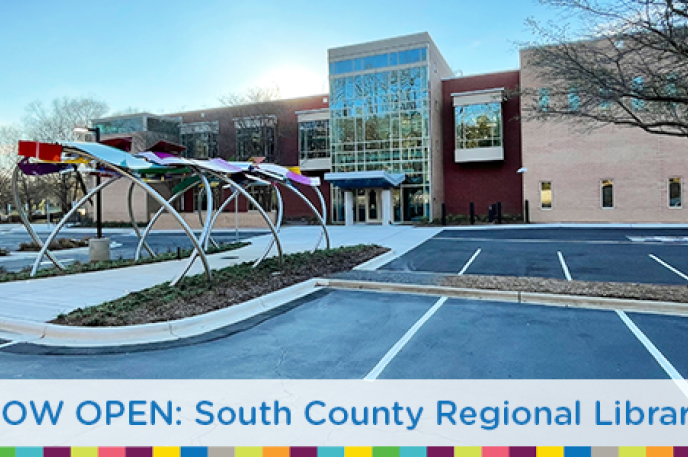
x: 605, y: 96
x: 392, y: 82
x: 391, y: 59
x: 674, y: 195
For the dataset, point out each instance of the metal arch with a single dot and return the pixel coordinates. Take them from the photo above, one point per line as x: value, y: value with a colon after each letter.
x: 222, y: 208
x: 25, y: 220
x: 161, y: 200
x: 260, y: 209
x: 200, y: 217
x: 205, y: 233
x: 156, y: 216
x: 278, y: 226
x: 323, y: 208
x: 64, y: 220
x: 315, y: 211
x: 132, y: 218
x: 193, y: 256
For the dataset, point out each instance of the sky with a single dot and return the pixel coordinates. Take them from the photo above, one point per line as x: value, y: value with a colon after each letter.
x: 167, y: 56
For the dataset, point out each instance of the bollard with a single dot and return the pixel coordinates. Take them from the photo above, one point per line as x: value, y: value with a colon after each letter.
x: 444, y: 214
x: 98, y: 249
x: 499, y: 212
x: 471, y: 209
x: 526, y: 212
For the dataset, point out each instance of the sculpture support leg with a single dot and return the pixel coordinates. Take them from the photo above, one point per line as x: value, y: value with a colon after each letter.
x: 25, y: 220
x: 317, y: 215
x: 200, y: 215
x: 154, y: 219
x: 278, y: 226
x: 161, y: 200
x: 134, y: 224
x: 64, y: 220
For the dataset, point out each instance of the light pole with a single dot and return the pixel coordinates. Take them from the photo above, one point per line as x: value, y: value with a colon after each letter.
x: 526, y: 205
x: 99, y: 197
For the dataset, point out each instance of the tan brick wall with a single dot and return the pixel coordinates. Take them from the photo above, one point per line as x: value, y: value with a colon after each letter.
x: 576, y: 159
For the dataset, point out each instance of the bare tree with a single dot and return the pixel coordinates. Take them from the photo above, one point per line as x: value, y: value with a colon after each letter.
x: 56, y: 123
x: 626, y: 63
x: 258, y: 119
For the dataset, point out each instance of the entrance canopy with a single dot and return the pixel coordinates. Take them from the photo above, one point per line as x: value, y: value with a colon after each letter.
x: 365, y: 179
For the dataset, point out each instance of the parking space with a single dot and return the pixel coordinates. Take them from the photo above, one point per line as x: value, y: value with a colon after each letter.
x: 654, y: 256
x: 342, y: 334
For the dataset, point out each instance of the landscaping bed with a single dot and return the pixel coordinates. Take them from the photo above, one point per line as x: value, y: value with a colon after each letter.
x: 56, y: 245
x: 631, y: 291
x: 78, y: 267
x: 230, y: 286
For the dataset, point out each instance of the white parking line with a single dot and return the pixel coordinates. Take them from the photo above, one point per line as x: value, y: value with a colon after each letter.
x: 382, y: 364
x: 654, y: 352
x: 662, y: 262
x: 567, y: 273
x: 470, y: 261
x: 11, y: 343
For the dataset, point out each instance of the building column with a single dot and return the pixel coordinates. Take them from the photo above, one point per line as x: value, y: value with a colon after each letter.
x: 386, y: 206
x: 348, y: 207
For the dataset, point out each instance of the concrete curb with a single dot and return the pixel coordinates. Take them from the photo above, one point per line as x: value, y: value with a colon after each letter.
x: 567, y: 301
x: 377, y: 262
x: 64, y: 336
x: 566, y: 225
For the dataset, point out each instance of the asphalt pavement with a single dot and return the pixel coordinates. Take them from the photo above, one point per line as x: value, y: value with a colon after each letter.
x: 654, y: 256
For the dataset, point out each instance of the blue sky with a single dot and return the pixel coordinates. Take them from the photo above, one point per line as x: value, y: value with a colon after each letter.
x: 170, y: 55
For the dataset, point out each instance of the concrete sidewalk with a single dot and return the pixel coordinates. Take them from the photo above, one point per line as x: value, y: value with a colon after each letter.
x: 40, y: 300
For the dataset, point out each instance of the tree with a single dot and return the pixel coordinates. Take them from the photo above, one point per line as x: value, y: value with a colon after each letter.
x: 57, y: 123
x: 626, y: 63
x: 256, y: 113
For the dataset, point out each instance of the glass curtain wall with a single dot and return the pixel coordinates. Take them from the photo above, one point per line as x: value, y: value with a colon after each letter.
x: 380, y: 121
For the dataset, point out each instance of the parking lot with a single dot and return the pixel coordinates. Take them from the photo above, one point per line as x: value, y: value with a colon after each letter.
x: 347, y: 334
x: 343, y: 334
x: 655, y: 256
x: 123, y: 245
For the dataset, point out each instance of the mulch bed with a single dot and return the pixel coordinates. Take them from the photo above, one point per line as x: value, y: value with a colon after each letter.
x: 231, y: 285
x: 633, y: 291
x: 56, y: 245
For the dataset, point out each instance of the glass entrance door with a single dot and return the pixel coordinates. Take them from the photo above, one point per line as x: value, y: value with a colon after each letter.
x: 368, y: 206
x: 374, y: 206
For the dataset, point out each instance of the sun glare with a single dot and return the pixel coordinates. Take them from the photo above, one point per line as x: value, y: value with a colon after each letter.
x: 294, y: 81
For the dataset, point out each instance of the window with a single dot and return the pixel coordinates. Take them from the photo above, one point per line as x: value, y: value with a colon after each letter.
x: 478, y: 126
x: 263, y: 195
x: 379, y: 61
x: 574, y: 99
x: 546, y: 195
x: 543, y: 100
x: 675, y: 193
x: 605, y: 98
x: 607, y: 193
x: 255, y: 137
x: 314, y: 139
x: 200, y: 139
x: 637, y: 88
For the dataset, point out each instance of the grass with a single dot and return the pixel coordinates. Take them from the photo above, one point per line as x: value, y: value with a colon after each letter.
x: 79, y: 267
x: 231, y: 285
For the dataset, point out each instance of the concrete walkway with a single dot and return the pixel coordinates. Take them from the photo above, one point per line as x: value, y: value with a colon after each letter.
x: 41, y: 300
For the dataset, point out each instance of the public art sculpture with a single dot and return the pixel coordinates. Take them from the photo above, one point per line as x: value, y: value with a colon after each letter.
x: 150, y: 166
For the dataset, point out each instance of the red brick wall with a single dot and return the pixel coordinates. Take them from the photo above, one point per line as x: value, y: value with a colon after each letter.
x: 483, y: 183
x: 287, y: 143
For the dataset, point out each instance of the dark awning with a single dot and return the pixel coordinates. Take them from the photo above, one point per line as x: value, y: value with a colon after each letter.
x: 365, y: 179
x: 167, y: 146
x: 123, y: 144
